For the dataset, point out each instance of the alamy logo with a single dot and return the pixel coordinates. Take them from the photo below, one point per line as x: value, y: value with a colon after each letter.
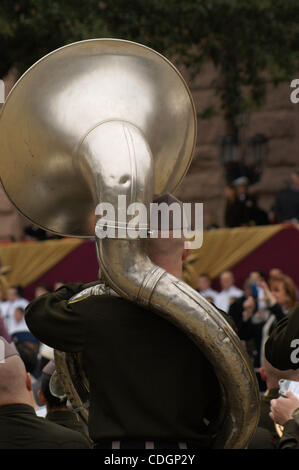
x: 295, y: 353
x: 2, y: 92
x: 167, y: 221
x: 295, y: 93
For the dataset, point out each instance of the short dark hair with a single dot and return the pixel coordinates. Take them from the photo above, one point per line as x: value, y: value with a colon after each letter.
x: 261, y: 273
x: 19, y: 290
x: 43, y: 286
x: 52, y: 402
x: 29, y: 354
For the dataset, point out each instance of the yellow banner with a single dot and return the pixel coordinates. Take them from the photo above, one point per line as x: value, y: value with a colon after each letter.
x: 223, y: 248
x: 30, y: 260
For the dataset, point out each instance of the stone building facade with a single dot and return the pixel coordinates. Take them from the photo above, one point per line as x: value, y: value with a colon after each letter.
x: 277, y: 119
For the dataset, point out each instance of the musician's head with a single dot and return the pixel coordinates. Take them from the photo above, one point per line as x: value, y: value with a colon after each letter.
x: 271, y: 375
x: 166, y: 249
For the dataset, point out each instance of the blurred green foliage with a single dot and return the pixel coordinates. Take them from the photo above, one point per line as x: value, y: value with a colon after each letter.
x: 246, y: 40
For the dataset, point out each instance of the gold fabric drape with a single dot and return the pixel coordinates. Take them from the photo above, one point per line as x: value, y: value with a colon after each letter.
x: 30, y: 260
x: 223, y: 248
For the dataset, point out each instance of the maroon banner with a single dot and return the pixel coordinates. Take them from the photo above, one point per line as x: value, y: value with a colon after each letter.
x: 80, y: 265
x: 280, y: 251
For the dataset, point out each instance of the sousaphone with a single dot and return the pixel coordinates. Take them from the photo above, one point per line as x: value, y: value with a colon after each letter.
x: 95, y: 120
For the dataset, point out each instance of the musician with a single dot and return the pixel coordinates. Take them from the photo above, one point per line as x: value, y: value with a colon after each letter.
x: 282, y: 351
x: 282, y: 347
x: 150, y: 386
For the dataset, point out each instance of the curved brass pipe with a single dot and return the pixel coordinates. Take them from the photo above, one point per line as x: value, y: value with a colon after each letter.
x: 105, y: 118
x: 128, y: 270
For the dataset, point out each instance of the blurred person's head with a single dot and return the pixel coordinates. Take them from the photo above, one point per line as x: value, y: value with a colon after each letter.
x: 275, y: 272
x: 28, y: 351
x: 14, y: 293
x: 255, y: 276
x: 227, y: 279
x: 15, y: 382
x: 248, y: 287
x: 58, y: 284
x: 204, y: 282
x: 19, y: 314
x: 41, y: 290
x: 241, y: 185
x: 284, y: 291
x: 44, y: 393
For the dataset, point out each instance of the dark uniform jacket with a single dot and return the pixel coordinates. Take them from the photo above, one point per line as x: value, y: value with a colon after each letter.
x: 66, y: 418
x: 282, y: 347
x: 147, y: 378
x: 266, y: 436
x: 286, y: 205
x: 282, y: 351
x: 290, y: 438
x: 265, y: 421
x: 20, y: 428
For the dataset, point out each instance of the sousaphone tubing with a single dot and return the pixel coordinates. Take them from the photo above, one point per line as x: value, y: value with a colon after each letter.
x: 105, y: 118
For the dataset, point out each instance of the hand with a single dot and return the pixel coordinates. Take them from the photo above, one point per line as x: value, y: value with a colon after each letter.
x: 248, y: 306
x: 282, y: 408
x: 269, y: 297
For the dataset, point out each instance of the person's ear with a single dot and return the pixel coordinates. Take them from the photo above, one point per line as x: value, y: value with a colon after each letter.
x: 41, y: 397
x: 185, y: 254
x: 28, y: 382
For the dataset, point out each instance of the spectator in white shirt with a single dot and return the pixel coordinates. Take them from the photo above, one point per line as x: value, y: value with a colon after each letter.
x: 204, y: 287
x: 229, y: 291
x: 14, y: 300
x: 17, y: 323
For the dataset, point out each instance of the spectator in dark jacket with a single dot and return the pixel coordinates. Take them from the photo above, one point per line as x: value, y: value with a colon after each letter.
x: 242, y: 208
x: 286, y: 207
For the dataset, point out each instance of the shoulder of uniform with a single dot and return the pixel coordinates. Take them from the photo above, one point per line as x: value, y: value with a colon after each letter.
x: 100, y: 289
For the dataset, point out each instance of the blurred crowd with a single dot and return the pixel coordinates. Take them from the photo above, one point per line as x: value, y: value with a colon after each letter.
x: 254, y: 312
x: 14, y: 328
x: 242, y: 208
x: 256, y: 308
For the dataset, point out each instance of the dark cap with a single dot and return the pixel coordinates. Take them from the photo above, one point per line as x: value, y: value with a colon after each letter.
x: 7, y: 349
